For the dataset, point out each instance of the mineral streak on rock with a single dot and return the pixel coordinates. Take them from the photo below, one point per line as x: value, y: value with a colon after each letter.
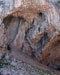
x: 32, y: 29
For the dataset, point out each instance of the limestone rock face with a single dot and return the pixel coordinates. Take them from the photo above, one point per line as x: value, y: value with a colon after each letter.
x: 33, y: 29
x: 1, y: 34
x: 52, y: 1
x: 3, y: 40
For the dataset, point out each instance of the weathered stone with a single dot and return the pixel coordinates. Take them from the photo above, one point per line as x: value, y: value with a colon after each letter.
x: 33, y: 29
x: 2, y: 34
x: 26, y: 48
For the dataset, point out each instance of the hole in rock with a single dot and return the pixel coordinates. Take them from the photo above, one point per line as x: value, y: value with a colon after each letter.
x: 33, y: 54
x: 8, y: 47
x: 40, y: 14
x: 58, y: 69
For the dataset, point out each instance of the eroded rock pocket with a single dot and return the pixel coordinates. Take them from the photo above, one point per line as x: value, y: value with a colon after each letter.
x: 33, y: 38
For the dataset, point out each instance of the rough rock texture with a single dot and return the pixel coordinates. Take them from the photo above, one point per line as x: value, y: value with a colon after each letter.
x: 34, y: 29
x: 12, y: 66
